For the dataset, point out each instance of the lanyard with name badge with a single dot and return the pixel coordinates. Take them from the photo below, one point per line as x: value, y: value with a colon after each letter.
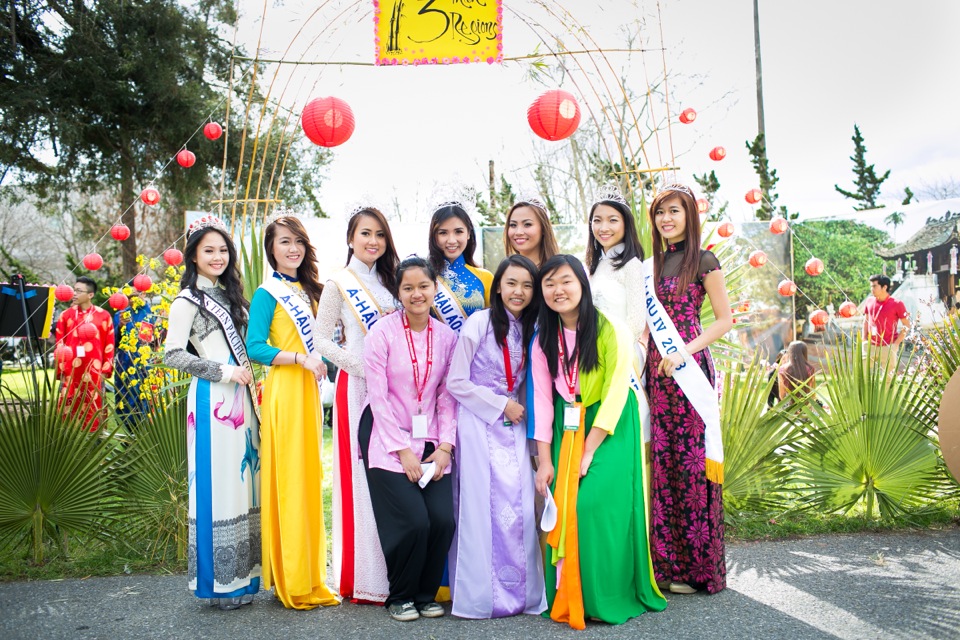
x: 571, y: 410
x: 419, y: 422
x: 511, y: 381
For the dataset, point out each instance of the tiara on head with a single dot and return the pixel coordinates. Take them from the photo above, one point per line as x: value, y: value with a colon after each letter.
x: 450, y: 203
x: 681, y: 188
x: 530, y: 199
x: 610, y: 193
x: 278, y: 213
x: 361, y: 208
x: 207, y: 222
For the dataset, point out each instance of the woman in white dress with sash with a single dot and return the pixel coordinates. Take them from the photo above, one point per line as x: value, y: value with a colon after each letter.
x: 356, y: 297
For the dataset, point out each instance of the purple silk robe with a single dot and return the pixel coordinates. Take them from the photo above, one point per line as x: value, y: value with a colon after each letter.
x: 496, y: 569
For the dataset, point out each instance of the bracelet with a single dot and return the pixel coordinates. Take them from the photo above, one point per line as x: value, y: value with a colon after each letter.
x: 682, y: 350
x: 449, y: 452
x: 296, y: 358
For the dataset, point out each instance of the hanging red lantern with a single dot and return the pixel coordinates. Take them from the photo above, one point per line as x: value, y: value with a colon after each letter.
x: 758, y: 259
x: 63, y: 353
x: 718, y: 153
x: 703, y: 205
x: 688, y: 115
x: 743, y: 307
x: 186, y: 158
x: 725, y: 230
x: 786, y: 288
x: 327, y: 122
x: 118, y: 301
x: 848, y: 309
x: 173, y: 257
x: 92, y: 261
x: 150, y: 196
x: 753, y: 196
x: 142, y: 282
x: 63, y: 293
x: 814, y: 267
x: 555, y: 115
x: 120, y: 232
x: 86, y: 331
x: 778, y: 225
x: 212, y: 130
x: 819, y: 318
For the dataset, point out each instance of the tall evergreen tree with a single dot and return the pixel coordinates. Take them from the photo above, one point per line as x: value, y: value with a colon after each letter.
x: 767, y: 178
x: 866, y: 179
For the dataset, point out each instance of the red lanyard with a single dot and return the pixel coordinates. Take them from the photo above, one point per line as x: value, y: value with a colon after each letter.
x: 508, y: 369
x: 413, y: 359
x: 569, y: 378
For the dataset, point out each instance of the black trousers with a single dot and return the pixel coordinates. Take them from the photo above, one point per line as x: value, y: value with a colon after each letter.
x: 415, y: 525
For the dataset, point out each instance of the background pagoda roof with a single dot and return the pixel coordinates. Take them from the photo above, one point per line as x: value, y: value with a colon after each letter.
x: 935, y: 233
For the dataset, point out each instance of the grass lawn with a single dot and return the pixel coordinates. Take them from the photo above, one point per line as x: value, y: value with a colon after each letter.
x: 20, y: 381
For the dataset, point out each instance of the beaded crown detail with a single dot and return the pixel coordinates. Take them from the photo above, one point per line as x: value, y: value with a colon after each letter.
x: 610, y: 193
x: 681, y: 188
x: 207, y: 222
x: 531, y: 199
x: 278, y: 213
x: 450, y: 203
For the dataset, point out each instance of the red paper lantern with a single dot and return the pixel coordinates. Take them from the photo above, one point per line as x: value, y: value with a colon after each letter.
x: 63, y: 293
x: 753, y: 196
x: 186, y: 158
x: 778, y: 225
x: 743, y: 307
x: 725, y: 230
x: 120, y: 232
x: 555, y: 115
x: 212, y: 130
x: 758, y: 258
x: 173, y: 257
x: 328, y: 122
x: 118, y: 301
x: 92, y: 261
x: 63, y: 353
x: 142, y: 282
x: 819, y: 318
x: 848, y: 309
x: 786, y: 288
x: 687, y: 116
x: 86, y: 331
x: 150, y: 196
x: 718, y: 153
x: 703, y: 205
x: 814, y: 267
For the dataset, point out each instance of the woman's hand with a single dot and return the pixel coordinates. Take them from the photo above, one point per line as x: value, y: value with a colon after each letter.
x: 544, y: 476
x: 513, y: 411
x: 411, y: 465
x: 442, y: 457
x: 670, y: 363
x: 241, y: 375
x: 585, y: 461
x: 315, y: 366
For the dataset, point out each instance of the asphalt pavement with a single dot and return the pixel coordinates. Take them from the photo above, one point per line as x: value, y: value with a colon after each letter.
x: 870, y: 586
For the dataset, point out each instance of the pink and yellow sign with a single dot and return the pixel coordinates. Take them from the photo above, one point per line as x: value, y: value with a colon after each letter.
x: 438, y: 31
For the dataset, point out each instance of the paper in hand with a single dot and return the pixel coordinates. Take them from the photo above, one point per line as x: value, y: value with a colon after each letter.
x: 428, y: 469
x: 548, y: 521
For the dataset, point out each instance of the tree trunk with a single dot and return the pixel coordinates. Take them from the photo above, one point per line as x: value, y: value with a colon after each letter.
x: 756, y: 47
x: 128, y: 249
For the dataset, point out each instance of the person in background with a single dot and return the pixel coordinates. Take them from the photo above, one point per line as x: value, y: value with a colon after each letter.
x: 882, y: 316
x: 133, y: 329
x: 795, y: 372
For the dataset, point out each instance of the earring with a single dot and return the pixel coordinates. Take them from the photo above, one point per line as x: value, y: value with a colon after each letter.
x: 350, y: 245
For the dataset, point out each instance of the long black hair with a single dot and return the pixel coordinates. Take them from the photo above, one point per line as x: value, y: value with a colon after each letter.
x: 498, y: 312
x: 588, y: 329
x: 631, y: 240
x: 230, y: 278
x: 307, y: 274
x: 441, y: 215
x: 387, y: 263
x: 411, y: 262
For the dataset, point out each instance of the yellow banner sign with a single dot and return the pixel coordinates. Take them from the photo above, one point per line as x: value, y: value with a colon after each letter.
x: 438, y: 31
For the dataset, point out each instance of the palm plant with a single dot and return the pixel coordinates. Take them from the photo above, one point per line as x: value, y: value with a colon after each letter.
x: 252, y: 261
x: 56, y: 477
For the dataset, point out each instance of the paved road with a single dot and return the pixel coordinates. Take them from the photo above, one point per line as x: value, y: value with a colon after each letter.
x: 902, y: 585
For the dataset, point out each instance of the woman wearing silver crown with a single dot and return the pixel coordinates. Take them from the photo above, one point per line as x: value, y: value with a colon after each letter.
x: 356, y: 297
x: 207, y: 323
x: 283, y: 334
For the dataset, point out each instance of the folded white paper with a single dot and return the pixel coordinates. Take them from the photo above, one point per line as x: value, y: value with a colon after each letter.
x: 549, y: 518
x: 428, y: 469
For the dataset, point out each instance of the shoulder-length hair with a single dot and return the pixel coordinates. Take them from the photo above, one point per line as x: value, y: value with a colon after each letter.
x: 441, y: 215
x: 548, y: 241
x: 230, y: 278
x: 587, y: 319
x: 691, y: 259
x: 498, y: 312
x: 631, y: 240
x: 307, y: 273
x: 795, y: 366
x: 387, y: 263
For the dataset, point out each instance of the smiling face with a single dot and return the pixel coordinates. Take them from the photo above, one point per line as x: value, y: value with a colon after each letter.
x: 213, y: 255
x: 562, y: 291
x: 452, y: 236
x: 516, y: 289
x: 671, y: 220
x: 524, y: 231
x: 416, y: 292
x: 369, y: 240
x: 607, y: 225
x: 288, y: 251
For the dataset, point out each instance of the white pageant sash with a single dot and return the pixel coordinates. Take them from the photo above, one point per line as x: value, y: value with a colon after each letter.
x: 363, y: 304
x: 448, y: 307
x: 234, y: 339
x: 299, y: 311
x: 689, y: 376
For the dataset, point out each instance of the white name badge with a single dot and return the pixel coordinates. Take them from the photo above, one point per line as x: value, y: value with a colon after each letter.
x: 81, y: 351
x: 420, y: 426
x: 571, y: 417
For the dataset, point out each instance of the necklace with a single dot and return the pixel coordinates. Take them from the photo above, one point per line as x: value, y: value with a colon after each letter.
x: 291, y: 282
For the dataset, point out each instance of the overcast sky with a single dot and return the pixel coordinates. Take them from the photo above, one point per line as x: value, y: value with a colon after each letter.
x: 889, y: 66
